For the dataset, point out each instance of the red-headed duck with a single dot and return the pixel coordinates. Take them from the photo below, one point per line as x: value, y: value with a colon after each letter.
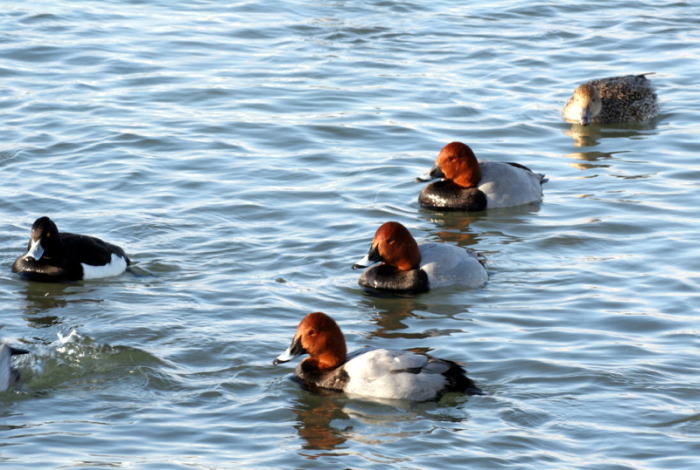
x: 8, y: 374
x: 471, y: 185
x: 630, y: 98
x: 410, y: 267
x: 377, y: 373
x: 60, y: 256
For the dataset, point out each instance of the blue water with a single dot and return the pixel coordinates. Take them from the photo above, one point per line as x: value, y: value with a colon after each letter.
x: 244, y: 153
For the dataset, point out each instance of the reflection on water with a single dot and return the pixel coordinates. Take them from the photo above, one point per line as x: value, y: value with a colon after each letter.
x: 590, y: 136
x: 390, y: 314
x: 330, y: 424
x: 589, y: 157
x: 45, y: 321
x: 455, y: 225
x: 41, y: 298
x: 315, y: 416
x: 584, y: 136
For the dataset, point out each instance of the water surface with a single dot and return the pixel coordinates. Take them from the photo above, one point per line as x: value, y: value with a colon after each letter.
x: 244, y: 155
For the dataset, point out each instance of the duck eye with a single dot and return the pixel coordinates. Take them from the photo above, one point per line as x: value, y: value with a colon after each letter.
x: 48, y: 234
x: 312, y: 332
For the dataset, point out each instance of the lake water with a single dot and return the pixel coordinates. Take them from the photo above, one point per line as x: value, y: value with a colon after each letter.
x: 244, y: 153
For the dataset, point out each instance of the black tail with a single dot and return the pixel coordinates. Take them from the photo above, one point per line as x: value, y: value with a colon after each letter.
x: 457, y: 381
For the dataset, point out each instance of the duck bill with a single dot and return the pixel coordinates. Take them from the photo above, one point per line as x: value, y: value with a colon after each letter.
x: 363, y: 263
x: 370, y: 258
x: 36, y: 251
x: 294, y: 350
x: 434, y: 173
x: 586, y: 118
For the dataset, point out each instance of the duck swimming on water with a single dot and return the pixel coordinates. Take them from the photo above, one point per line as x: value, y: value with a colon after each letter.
x: 377, y: 373
x: 627, y: 99
x: 61, y: 256
x: 471, y: 185
x: 408, y: 267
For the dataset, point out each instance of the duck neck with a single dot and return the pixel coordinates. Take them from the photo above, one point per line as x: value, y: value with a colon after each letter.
x: 326, y: 360
x: 470, y: 178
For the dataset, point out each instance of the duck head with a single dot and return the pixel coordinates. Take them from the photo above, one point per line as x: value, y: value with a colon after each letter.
x: 319, y: 336
x: 394, y: 245
x: 44, y: 238
x: 456, y: 162
x: 585, y: 104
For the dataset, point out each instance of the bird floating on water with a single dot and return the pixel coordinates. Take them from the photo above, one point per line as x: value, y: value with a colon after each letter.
x: 627, y: 99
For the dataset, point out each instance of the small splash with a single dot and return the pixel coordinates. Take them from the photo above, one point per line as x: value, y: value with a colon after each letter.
x: 77, y: 361
x: 70, y: 337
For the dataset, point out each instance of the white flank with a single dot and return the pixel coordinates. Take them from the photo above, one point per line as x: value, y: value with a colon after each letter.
x: 379, y: 374
x: 506, y: 185
x: 116, y: 266
x: 449, y: 265
x: 36, y: 251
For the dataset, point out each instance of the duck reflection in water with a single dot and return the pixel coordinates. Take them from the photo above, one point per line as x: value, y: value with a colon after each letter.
x: 391, y: 312
x: 454, y: 226
x: 391, y: 315
x: 589, y: 160
x: 42, y: 298
x: 315, y: 415
x: 590, y: 136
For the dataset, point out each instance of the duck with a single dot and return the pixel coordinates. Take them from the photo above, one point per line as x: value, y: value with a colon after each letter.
x: 8, y: 374
x: 408, y: 267
x: 626, y: 99
x: 471, y: 185
x: 375, y: 373
x: 61, y: 256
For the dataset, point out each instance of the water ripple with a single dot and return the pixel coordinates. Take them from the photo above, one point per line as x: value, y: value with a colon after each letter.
x: 245, y: 155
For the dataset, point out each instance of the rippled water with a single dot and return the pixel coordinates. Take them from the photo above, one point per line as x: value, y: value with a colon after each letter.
x: 244, y: 154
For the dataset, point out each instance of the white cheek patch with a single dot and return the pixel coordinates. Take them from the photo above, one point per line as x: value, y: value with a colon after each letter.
x: 36, y: 251
x: 116, y: 266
